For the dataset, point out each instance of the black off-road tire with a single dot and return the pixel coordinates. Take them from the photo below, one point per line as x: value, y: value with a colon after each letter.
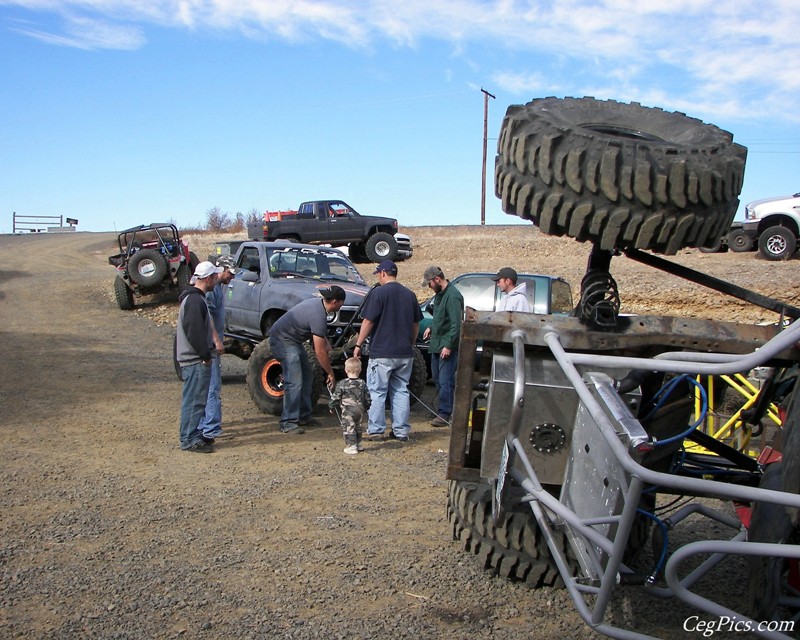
x: 777, y: 243
x: 717, y: 247
x: 514, y: 549
x: 767, y: 575
x: 265, y: 378
x: 381, y: 246
x: 776, y: 523
x: 741, y: 242
x: 183, y: 276
x: 419, y: 377
x: 123, y: 294
x: 619, y: 175
x: 147, y: 267
x: 358, y: 252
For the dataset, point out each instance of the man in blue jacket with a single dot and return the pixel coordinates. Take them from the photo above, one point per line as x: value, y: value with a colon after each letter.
x: 194, y: 345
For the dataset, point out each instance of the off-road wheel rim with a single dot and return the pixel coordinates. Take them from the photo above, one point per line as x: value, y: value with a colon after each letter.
x: 271, y: 378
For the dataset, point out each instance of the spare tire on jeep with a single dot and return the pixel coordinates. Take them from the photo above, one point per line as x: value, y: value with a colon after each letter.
x: 619, y: 175
x: 147, y: 267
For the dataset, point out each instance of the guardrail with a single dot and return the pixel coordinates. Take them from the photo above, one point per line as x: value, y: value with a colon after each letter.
x: 42, y: 224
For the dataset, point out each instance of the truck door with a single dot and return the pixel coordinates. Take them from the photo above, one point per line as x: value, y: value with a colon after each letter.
x: 241, y: 302
x: 344, y: 223
x: 315, y: 220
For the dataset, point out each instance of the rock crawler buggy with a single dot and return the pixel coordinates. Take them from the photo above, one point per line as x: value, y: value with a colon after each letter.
x: 572, y: 427
x: 152, y: 259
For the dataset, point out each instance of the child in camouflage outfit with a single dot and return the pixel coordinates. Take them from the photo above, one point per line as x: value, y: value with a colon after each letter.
x: 351, y: 397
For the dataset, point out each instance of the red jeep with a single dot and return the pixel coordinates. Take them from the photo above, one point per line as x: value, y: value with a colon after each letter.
x: 152, y: 259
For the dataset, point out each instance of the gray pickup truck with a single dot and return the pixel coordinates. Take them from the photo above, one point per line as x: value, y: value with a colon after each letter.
x: 272, y: 278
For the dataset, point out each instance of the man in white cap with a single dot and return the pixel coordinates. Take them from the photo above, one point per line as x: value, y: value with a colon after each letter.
x: 211, y: 424
x: 194, y: 346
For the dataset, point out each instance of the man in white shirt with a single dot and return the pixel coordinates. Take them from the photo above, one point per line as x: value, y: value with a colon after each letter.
x: 515, y: 296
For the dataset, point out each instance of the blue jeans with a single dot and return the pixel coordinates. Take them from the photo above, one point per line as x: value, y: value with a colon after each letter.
x: 443, y: 371
x: 211, y: 424
x: 193, y: 403
x: 389, y: 376
x: 298, y: 378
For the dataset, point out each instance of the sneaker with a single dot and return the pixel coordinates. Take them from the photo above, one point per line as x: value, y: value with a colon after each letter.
x: 373, y: 436
x: 394, y: 436
x: 293, y: 428
x: 308, y: 422
x: 439, y: 421
x: 208, y: 440
x: 200, y: 447
x: 360, y: 447
x: 351, y: 450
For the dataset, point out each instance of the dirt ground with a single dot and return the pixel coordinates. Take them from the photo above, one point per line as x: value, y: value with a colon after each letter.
x: 109, y: 531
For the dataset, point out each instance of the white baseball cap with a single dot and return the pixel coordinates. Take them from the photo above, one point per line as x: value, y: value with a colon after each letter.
x: 204, y: 270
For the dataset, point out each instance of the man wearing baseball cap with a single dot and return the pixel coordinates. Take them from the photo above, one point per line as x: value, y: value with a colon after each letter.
x: 391, y: 318
x: 515, y: 296
x: 444, y: 334
x: 211, y: 424
x: 306, y: 320
x: 194, y: 346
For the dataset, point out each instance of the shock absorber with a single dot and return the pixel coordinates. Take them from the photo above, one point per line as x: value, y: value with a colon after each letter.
x: 599, y: 303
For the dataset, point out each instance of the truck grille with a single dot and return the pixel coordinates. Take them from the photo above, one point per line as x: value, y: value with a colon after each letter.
x: 345, y: 315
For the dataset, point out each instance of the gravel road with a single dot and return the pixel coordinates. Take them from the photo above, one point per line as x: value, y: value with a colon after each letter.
x: 108, y: 530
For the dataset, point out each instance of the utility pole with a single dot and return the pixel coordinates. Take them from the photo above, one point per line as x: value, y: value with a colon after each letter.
x: 486, y: 96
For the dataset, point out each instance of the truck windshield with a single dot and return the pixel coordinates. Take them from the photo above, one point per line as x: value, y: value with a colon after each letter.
x: 322, y: 264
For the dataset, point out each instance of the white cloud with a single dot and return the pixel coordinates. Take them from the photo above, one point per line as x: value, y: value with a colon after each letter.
x: 87, y: 33
x: 739, y: 49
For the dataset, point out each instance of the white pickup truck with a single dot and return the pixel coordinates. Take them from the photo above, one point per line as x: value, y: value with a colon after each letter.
x: 773, y: 224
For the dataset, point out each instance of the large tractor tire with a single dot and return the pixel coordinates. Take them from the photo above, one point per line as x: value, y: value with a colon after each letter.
x: 147, y: 267
x: 619, y: 175
x: 777, y: 243
x: 381, y: 246
x: 123, y: 294
x: 514, y: 549
x: 265, y: 379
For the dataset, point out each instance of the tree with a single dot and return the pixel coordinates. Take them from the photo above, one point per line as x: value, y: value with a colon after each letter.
x: 254, y: 216
x: 217, y: 220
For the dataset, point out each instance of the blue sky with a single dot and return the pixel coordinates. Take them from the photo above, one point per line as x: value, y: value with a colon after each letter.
x: 121, y: 112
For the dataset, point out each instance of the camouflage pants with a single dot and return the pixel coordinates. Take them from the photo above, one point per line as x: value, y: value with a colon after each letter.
x: 352, y: 417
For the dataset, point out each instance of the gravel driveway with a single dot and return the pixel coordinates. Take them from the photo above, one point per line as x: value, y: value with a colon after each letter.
x: 108, y: 530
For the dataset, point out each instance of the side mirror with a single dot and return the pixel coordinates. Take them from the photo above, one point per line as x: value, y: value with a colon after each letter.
x: 249, y: 276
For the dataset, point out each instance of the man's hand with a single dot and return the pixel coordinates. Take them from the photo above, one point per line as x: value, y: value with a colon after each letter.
x: 426, y: 334
x: 220, y: 347
x: 331, y: 381
x: 444, y: 354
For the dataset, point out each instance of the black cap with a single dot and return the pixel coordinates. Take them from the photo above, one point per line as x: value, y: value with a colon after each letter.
x: 506, y: 272
x: 333, y: 293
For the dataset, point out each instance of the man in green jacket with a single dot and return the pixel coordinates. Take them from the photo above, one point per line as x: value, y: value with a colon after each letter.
x: 444, y: 332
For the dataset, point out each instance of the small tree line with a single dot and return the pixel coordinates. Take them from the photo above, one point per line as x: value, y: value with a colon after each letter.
x: 218, y: 220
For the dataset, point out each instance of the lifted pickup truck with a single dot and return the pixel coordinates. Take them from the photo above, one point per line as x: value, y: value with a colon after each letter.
x: 335, y: 223
x: 272, y: 278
